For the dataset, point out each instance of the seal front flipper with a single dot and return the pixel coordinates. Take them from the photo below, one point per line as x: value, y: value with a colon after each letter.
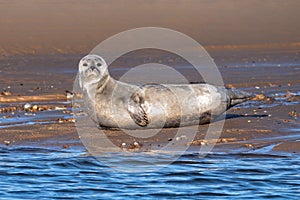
x: 137, y: 110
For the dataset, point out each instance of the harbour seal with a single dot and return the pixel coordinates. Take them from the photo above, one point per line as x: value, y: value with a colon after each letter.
x: 119, y: 105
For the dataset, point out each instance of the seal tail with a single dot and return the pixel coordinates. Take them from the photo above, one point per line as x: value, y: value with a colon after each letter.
x: 238, y: 96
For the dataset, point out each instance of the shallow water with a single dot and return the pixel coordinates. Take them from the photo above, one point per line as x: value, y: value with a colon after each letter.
x: 37, y: 173
x: 22, y: 118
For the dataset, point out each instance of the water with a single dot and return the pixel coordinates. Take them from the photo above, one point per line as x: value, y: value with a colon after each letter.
x: 38, y: 173
x: 23, y: 118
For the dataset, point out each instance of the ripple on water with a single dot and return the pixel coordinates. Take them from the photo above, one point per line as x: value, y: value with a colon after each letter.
x: 37, y: 173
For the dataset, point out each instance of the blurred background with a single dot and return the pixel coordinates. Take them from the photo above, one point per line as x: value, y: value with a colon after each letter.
x: 74, y: 26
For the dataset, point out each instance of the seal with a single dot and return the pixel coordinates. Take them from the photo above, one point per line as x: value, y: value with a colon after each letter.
x: 118, y: 105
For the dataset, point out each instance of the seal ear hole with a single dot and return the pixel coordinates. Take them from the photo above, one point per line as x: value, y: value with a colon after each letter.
x: 99, y: 64
x: 85, y: 64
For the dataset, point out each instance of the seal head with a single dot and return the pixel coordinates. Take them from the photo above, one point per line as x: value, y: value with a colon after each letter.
x: 92, y: 69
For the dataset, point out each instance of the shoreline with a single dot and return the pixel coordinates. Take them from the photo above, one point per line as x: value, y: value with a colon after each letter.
x: 79, y: 50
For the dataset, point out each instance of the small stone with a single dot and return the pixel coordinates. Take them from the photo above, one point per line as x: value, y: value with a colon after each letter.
x: 229, y: 86
x: 60, y: 120
x: 137, y: 145
x: 29, y: 114
x: 27, y: 106
x: 6, y: 142
x: 69, y: 94
x: 271, y: 85
x: 293, y: 113
x: 131, y: 146
x: 249, y: 146
x: 224, y: 140
x: 59, y: 108
x: 70, y: 120
x: 249, y: 121
x: 42, y: 108
x: 288, y: 94
x: 79, y: 96
x: 259, y: 97
x: 35, y: 108
x: 6, y: 93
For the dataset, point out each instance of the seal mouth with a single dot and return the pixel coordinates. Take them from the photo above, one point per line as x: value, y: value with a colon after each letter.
x: 92, y: 75
x: 92, y: 72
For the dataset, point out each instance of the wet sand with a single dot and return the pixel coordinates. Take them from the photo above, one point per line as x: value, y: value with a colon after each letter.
x: 259, y: 53
x: 269, y: 120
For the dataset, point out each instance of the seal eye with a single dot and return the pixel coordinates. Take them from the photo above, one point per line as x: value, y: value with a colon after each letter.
x: 99, y: 64
x: 85, y: 64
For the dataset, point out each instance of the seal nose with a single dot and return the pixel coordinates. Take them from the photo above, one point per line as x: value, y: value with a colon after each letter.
x: 92, y: 67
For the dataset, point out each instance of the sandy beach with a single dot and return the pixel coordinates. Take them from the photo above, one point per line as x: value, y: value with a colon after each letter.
x: 43, y: 41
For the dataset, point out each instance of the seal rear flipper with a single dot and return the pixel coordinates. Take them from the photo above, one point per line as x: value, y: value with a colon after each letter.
x: 238, y: 96
x: 136, y: 110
